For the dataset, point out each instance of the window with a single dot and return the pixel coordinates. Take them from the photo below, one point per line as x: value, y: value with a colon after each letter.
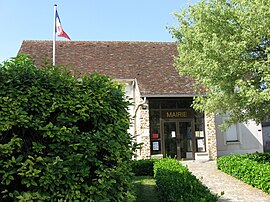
x: 232, y: 134
x: 199, y: 132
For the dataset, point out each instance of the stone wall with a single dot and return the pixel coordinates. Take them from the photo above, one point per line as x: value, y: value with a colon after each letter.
x: 211, y: 140
x: 143, y: 132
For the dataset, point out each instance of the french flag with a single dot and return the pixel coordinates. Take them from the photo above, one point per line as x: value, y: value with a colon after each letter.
x: 58, y: 27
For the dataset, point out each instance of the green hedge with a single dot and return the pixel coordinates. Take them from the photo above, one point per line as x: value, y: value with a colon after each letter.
x: 253, y: 169
x: 176, y: 183
x: 62, y: 138
x: 143, y: 167
x: 259, y: 157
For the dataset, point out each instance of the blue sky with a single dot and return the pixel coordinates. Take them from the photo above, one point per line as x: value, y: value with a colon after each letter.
x: 86, y: 20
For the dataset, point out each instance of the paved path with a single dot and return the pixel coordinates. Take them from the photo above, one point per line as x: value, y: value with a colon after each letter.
x: 217, y: 181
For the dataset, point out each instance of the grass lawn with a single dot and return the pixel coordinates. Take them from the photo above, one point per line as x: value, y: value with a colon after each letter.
x: 145, y: 188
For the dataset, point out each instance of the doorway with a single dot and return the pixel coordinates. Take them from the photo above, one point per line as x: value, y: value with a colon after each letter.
x: 178, y: 139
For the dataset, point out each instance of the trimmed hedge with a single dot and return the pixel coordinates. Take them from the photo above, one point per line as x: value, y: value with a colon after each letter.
x: 259, y: 157
x: 253, y: 169
x: 176, y: 183
x: 143, y: 167
x: 62, y: 138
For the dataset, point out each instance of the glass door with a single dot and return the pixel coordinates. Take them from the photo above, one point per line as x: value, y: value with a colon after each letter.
x: 171, y: 140
x: 178, y: 139
x: 185, y: 132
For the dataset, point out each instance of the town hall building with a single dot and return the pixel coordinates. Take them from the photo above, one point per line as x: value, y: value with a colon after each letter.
x: 162, y: 117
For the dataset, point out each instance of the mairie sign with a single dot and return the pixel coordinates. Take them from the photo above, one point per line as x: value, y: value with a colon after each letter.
x: 179, y: 114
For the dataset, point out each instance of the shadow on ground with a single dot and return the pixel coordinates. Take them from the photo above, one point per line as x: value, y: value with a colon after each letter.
x: 145, y: 188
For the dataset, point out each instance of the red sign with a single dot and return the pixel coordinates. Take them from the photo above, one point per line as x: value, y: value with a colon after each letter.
x: 155, y: 136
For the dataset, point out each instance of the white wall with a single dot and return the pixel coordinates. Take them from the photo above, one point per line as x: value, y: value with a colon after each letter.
x: 131, y: 94
x: 240, y: 138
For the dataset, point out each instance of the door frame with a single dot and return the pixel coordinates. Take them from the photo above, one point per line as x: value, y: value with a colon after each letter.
x: 163, y: 150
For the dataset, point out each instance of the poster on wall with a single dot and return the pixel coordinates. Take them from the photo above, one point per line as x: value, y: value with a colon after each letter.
x: 200, y: 143
x: 199, y: 133
x: 155, y: 146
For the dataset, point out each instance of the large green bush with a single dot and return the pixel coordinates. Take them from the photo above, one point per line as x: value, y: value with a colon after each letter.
x: 253, y: 169
x: 62, y: 138
x: 176, y: 183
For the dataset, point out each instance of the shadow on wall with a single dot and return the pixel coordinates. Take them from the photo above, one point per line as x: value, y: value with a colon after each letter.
x: 240, y: 138
x: 251, y: 137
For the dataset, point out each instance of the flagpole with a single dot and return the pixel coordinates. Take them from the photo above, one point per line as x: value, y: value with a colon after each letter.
x: 54, y: 34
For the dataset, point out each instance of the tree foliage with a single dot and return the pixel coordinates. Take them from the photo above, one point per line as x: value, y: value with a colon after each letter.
x: 224, y: 45
x: 62, y: 138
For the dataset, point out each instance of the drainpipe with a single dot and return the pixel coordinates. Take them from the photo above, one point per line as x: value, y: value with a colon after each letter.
x: 135, y: 114
x: 137, y: 107
x: 135, y: 119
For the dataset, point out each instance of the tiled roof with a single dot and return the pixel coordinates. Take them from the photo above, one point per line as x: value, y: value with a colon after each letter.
x: 151, y: 63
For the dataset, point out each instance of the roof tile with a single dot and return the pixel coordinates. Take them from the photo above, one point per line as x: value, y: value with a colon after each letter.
x: 151, y: 63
